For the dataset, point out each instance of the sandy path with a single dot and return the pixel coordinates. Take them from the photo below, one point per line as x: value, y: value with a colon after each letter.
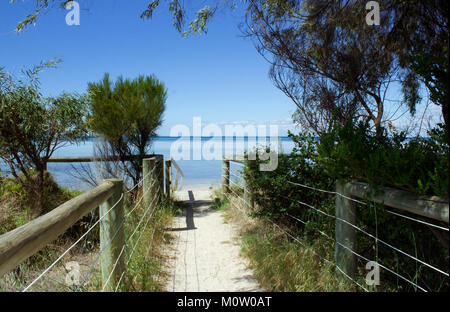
x: 205, y: 255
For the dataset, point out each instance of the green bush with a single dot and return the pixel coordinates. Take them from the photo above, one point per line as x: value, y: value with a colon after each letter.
x: 419, y: 165
x: 389, y: 158
x: 275, y: 197
x: 350, y: 153
x: 15, y: 202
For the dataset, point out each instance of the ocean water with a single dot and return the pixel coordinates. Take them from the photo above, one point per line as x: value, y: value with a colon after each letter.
x: 198, y: 169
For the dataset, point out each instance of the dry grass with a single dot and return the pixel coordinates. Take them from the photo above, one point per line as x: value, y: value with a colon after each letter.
x: 55, y: 279
x: 280, y: 263
x: 13, y: 213
x: 144, y: 272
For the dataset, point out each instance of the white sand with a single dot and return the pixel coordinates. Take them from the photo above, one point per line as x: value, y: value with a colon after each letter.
x: 206, y: 258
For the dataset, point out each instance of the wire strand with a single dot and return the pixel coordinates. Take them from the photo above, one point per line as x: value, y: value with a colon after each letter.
x: 126, y: 244
x: 328, y: 261
x: 145, y: 192
x: 106, y: 245
x: 360, y: 202
x: 114, y: 268
x: 362, y: 257
x: 137, y: 241
x: 345, y: 247
x: 372, y: 236
x: 73, y: 245
x: 141, y: 180
x: 329, y: 192
x: 417, y: 220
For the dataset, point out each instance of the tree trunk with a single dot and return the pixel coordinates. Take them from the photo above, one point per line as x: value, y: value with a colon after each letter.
x: 36, y: 196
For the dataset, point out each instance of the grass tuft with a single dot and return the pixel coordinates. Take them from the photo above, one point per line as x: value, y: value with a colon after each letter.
x: 281, y: 264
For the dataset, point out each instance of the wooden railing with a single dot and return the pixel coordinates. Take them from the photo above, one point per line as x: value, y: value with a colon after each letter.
x: 21, y: 243
x: 431, y: 207
x: 178, y: 172
x: 97, y: 158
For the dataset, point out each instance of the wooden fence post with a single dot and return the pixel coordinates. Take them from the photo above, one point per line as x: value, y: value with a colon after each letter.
x: 22, y: 242
x: 112, y: 237
x: 159, y: 178
x: 225, y: 176
x: 149, y: 185
x: 248, y: 196
x: 168, y: 177
x: 344, y: 233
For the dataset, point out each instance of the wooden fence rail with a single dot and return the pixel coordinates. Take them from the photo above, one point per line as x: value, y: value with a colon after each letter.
x: 345, y: 235
x: 178, y: 172
x: 96, y: 158
x: 22, y: 242
x: 431, y: 207
x: 19, y: 244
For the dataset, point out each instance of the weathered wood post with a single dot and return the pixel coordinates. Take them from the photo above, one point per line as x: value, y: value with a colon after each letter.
x: 168, y: 177
x: 225, y: 176
x: 149, y: 171
x: 344, y: 233
x: 112, y: 237
x: 248, y: 196
x: 159, y: 178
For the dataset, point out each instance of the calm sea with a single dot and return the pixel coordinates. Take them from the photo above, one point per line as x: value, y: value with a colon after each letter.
x: 197, y: 173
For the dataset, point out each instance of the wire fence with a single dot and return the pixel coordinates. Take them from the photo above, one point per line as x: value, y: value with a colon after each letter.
x: 149, y: 210
x: 127, y: 248
x: 237, y: 186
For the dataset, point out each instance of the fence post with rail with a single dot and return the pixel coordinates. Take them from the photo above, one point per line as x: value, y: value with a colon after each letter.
x: 160, y: 177
x: 345, y: 235
x: 149, y: 187
x: 225, y: 176
x: 112, y: 237
x: 21, y: 243
x: 347, y: 196
x: 248, y: 195
x: 168, y: 177
x: 24, y: 241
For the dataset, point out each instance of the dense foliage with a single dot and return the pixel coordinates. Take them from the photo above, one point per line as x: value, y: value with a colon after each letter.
x: 286, y: 195
x: 127, y: 114
x: 419, y: 165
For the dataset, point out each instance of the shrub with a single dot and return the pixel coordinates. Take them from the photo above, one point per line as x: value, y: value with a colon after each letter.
x: 419, y: 165
x: 367, y: 158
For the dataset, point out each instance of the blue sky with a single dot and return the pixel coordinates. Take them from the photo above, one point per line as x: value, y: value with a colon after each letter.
x: 219, y: 77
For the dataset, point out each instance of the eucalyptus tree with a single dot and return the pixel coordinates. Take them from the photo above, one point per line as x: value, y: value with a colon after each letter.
x: 421, y: 32
x: 325, y: 57
x: 331, y: 62
x: 33, y: 127
x: 127, y: 114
